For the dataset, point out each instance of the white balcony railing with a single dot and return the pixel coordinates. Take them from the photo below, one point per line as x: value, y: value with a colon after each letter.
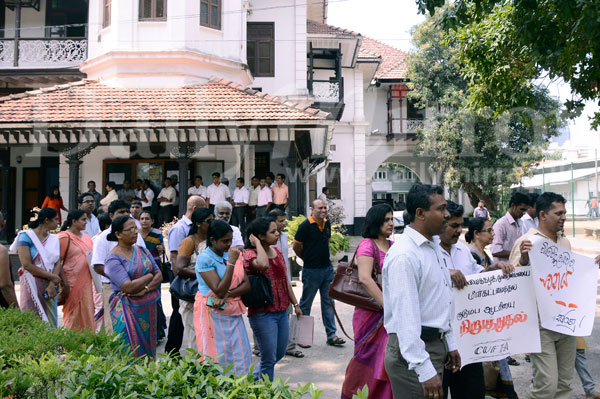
x: 408, y: 126
x: 326, y: 92
x: 43, y: 53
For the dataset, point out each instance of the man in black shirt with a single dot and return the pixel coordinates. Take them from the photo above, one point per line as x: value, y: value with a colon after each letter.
x: 311, y: 244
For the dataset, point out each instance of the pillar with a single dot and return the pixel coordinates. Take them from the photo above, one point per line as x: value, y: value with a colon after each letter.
x: 184, y: 166
x: 74, y: 162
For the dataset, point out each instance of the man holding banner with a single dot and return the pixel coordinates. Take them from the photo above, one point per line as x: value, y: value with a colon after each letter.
x: 549, y: 254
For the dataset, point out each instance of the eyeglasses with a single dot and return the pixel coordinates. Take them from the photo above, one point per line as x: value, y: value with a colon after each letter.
x: 490, y: 230
x: 132, y: 229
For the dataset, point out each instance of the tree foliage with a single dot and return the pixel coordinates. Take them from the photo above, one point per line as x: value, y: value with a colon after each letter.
x: 479, y: 142
x: 553, y: 38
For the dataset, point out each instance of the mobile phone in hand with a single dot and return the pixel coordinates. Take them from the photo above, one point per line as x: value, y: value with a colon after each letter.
x: 210, y: 302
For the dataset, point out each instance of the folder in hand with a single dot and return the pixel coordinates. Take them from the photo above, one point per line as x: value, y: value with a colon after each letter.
x: 302, y: 329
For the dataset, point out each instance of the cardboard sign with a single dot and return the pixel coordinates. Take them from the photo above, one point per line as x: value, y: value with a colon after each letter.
x: 565, y: 287
x: 493, y: 314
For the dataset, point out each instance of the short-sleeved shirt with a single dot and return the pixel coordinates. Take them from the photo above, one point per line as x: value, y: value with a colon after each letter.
x: 241, y: 195
x: 116, y: 268
x: 253, y: 197
x: 480, y: 213
x: 170, y: 194
x: 315, y: 243
x: 264, y: 196
x: 92, y: 227
x: 277, y: 272
x: 123, y: 193
x: 197, y: 191
x: 218, y: 193
x: 149, y: 196
x: 178, y: 232
x: 207, y: 261
x: 280, y: 194
x: 506, y: 231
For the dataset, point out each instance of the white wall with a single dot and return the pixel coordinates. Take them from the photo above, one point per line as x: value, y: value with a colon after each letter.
x: 32, y: 22
x: 376, y: 108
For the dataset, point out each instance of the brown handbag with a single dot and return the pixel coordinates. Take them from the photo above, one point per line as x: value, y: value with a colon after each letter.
x: 347, y: 288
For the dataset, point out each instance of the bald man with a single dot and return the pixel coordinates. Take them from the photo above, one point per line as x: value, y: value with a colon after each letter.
x: 311, y: 244
x: 177, y: 234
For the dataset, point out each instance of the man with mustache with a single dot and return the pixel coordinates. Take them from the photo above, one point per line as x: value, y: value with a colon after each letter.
x: 457, y: 258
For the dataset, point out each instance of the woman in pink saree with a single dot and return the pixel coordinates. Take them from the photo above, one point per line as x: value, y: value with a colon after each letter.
x: 76, y: 250
x: 370, y: 338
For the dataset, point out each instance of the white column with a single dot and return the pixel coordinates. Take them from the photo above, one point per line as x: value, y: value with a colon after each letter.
x: 300, y: 48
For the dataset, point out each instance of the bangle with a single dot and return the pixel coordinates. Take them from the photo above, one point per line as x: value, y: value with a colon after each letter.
x: 146, y: 288
x: 230, y: 264
x: 294, y: 304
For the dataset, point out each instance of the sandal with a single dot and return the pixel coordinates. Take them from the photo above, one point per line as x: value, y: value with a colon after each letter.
x: 297, y: 354
x: 304, y: 346
x: 336, y: 341
x: 512, y: 362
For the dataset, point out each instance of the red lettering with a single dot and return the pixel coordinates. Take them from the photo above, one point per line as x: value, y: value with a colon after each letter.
x: 556, y: 281
x: 499, y: 324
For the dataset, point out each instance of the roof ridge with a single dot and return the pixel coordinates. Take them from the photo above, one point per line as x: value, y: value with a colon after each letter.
x: 45, y: 90
x: 382, y: 44
x: 343, y: 30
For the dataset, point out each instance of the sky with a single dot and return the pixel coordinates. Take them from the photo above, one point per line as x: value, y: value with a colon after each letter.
x: 391, y: 21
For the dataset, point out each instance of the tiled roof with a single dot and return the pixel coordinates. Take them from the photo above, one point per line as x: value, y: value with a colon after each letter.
x: 313, y: 27
x: 90, y: 100
x: 393, y: 64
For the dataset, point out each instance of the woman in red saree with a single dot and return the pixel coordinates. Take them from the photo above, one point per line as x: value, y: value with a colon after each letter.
x: 370, y: 338
x: 75, y: 251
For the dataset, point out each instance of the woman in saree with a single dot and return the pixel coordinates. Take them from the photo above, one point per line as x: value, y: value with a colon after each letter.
x: 134, y: 279
x: 370, y: 338
x: 221, y: 333
x: 41, y: 272
x: 479, y: 236
x: 76, y: 252
x: 187, y: 255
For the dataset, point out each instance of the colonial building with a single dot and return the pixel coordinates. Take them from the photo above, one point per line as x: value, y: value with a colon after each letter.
x: 113, y: 90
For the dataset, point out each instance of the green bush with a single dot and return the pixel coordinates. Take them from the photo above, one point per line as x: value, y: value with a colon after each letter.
x: 40, y: 362
x: 338, y: 243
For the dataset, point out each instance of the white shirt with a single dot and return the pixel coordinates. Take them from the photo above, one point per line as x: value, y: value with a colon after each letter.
x: 168, y: 193
x: 92, y: 227
x: 527, y: 222
x: 459, y: 258
x: 137, y: 222
x: 417, y: 291
x: 149, y: 196
x: 102, y: 248
x: 253, y: 198
x: 201, y: 191
x: 323, y: 197
x: 241, y: 195
x: 237, y: 237
x: 217, y: 193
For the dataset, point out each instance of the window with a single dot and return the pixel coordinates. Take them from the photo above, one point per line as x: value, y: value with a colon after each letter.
x: 210, y: 13
x: 153, y: 10
x: 332, y: 180
x: 261, y: 48
x: 106, y: 13
x: 409, y: 175
x: 412, y: 112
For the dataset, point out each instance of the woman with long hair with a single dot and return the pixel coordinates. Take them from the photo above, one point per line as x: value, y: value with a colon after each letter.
x: 218, y: 309
x: 370, y: 338
x: 134, y: 278
x: 76, y: 253
x: 270, y: 323
x: 187, y: 255
x: 55, y: 201
x: 41, y: 272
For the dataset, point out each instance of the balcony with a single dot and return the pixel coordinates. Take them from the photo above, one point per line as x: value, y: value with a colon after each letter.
x: 410, y: 126
x: 43, y: 53
x: 326, y: 91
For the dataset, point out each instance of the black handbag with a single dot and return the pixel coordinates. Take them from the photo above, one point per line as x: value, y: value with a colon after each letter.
x: 261, y: 291
x: 165, y: 269
x: 184, y: 288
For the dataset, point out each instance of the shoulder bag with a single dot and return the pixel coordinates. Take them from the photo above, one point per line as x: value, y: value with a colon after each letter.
x: 183, y: 288
x: 261, y: 291
x: 61, y: 299
x: 347, y: 288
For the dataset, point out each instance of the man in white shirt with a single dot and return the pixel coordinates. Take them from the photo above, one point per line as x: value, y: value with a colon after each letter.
x: 197, y: 188
x: 241, y: 196
x: 111, y: 195
x: 456, y: 256
x: 418, y: 301
x: 265, y: 199
x: 252, y: 199
x: 177, y: 234
x: 529, y: 220
x: 101, y: 250
x: 87, y: 203
x: 216, y: 192
x: 166, y: 201
x: 145, y: 195
x: 223, y: 212
x: 136, y: 212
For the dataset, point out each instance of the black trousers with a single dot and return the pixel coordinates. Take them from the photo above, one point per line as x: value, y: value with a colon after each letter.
x: 175, y: 333
x: 250, y: 213
x: 165, y: 214
x: 468, y: 383
x: 238, y: 217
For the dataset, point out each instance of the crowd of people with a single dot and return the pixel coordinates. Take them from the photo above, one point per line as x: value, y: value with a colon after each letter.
x: 107, y: 273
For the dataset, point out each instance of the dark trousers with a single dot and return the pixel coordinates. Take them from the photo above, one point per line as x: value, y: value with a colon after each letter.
x: 238, y: 217
x: 468, y: 383
x: 161, y: 320
x: 278, y: 206
x: 211, y: 208
x: 175, y: 334
x: 250, y: 214
x: 261, y: 211
x: 165, y: 214
x: 313, y: 281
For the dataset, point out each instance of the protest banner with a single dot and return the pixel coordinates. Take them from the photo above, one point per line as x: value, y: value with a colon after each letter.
x: 494, y: 313
x: 565, y: 287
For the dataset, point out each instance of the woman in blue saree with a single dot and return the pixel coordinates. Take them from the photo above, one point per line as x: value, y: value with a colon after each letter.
x: 135, y: 279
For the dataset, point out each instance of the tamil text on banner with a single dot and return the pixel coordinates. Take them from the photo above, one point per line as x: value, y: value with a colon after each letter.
x: 565, y: 286
x: 494, y: 312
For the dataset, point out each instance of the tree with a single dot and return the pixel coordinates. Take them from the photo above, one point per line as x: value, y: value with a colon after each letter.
x: 554, y: 38
x: 479, y: 146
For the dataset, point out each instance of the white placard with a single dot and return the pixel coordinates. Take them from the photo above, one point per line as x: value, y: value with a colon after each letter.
x: 493, y: 314
x: 565, y: 286
x: 117, y: 178
x: 302, y: 329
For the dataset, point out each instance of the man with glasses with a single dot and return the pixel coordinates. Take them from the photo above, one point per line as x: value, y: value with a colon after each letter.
x: 223, y: 212
x: 101, y: 250
x: 87, y: 203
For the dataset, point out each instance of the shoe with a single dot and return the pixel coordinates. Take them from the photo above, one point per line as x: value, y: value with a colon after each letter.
x: 297, y: 354
x: 512, y: 362
x: 336, y: 341
x: 527, y: 359
x: 595, y: 395
x: 304, y: 346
